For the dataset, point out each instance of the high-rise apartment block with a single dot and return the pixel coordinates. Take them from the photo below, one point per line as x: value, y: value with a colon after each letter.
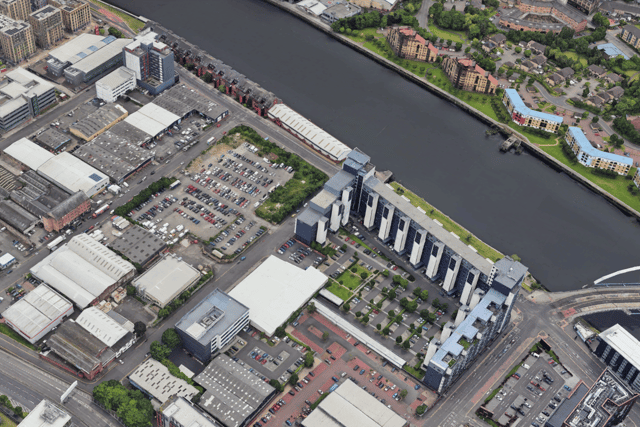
x: 47, y: 26
x: 16, y: 39
x: 18, y: 10
x: 76, y: 14
x: 152, y: 61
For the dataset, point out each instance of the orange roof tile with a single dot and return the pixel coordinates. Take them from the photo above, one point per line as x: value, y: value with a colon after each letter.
x: 493, y: 80
x: 479, y: 70
x: 420, y: 40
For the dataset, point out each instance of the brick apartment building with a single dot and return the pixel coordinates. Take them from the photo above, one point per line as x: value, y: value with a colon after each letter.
x: 465, y: 74
x: 522, y: 18
x: 66, y: 212
x: 76, y: 14
x: 18, y: 10
x: 408, y: 44
x: 585, y: 6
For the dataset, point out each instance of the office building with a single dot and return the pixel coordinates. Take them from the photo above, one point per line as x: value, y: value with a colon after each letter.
x: 212, y: 324
x: 151, y: 61
x: 23, y: 96
x: 17, y: 10
x: 76, y: 14
x: 98, y: 122
x: 620, y: 351
x: 340, y: 11
x: 525, y: 116
x: 594, y: 158
x: 408, y: 44
x: 16, y: 40
x: 351, y: 406
x: 233, y: 395
x: 47, y: 414
x: 178, y: 411
x: 115, y: 84
x: 35, y: 315
x: 47, y: 26
x: 155, y: 381
x: 465, y: 74
x: 631, y: 35
x: 167, y: 279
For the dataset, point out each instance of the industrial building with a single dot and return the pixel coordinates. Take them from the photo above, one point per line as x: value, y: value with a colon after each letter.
x: 351, y: 406
x: 309, y: 133
x: 525, y: 116
x: 139, y: 245
x: 73, y: 51
x: 37, y: 313
x: 26, y: 155
x: 167, y: 279
x: 52, y: 139
x: 339, y: 11
x: 620, y: 351
x: 47, y: 414
x: 16, y: 40
x: 47, y: 26
x: 183, y: 102
x: 109, y: 330
x: 465, y: 74
x: 152, y: 119
x: 16, y: 217
x: 233, y: 394
x: 594, y: 158
x: 151, y: 61
x: 115, y: 84
x: 6, y: 261
x: 212, y: 324
x: 606, y: 404
x: 76, y: 14
x: 178, y: 411
x: 488, y: 290
x: 17, y: 10
x: 84, y: 270
x: 154, y: 380
x: 64, y: 213
x: 98, y: 122
x: 23, y: 95
x: 408, y: 44
x: 274, y: 290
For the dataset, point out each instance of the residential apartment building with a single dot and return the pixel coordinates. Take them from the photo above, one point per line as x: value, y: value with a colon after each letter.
x: 594, y: 158
x: 47, y: 26
x: 465, y: 74
x: 620, y: 351
x: 408, y: 44
x: 585, y: 6
x: 636, y: 178
x: 18, y: 10
x: 151, y: 61
x: 525, y: 116
x: 631, y: 35
x: 76, y: 14
x: 526, y: 17
x: 23, y: 95
x: 16, y: 39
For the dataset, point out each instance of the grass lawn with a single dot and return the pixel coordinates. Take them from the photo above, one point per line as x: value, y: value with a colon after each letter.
x: 450, y: 225
x: 418, y: 373
x: 617, y: 187
x: 4, y: 329
x: 477, y: 100
x: 359, y: 36
x: 414, y: 66
x: 349, y: 279
x: 575, y: 56
x: 446, y: 34
x: 5, y: 421
x: 338, y: 290
x: 133, y: 23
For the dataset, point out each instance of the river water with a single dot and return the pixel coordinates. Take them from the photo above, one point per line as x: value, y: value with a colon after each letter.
x: 565, y: 234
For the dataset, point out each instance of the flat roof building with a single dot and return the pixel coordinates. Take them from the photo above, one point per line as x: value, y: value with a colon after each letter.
x: 351, y: 406
x: 152, y: 119
x: 23, y: 95
x: 37, y: 313
x: 15, y: 9
x: 525, y: 116
x: 212, y: 324
x: 26, y: 153
x: 52, y: 139
x: 99, y: 121
x: 97, y: 63
x: 179, y: 411
x: 72, y: 174
x: 154, y: 379
x: 592, y: 157
x: 151, y: 61
x: 340, y: 11
x: 6, y: 260
x: 139, y: 245
x: 233, y: 394
x: 100, y: 325
x: 47, y: 26
x: 76, y: 14
x: 47, y: 414
x: 620, y: 351
x: 164, y: 281
x: 182, y: 102
x: 115, y: 84
x: 274, y: 290
x: 84, y: 270
x: 74, y: 51
x: 612, y: 51
x: 16, y: 39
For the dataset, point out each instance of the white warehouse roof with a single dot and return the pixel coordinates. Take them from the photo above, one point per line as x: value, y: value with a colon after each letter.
x: 46, y: 414
x: 28, y: 153
x: 102, y: 326
x: 623, y: 342
x: 117, y: 77
x: 153, y: 377
x: 76, y: 49
x: 276, y: 289
x: 72, y: 174
x: 165, y: 280
x: 82, y: 269
x: 37, y: 310
x: 350, y: 406
x: 317, y: 137
x: 152, y: 119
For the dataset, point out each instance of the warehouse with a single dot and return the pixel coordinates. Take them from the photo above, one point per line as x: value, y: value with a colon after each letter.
x: 311, y: 134
x: 351, y: 406
x: 74, y: 51
x: 72, y: 174
x: 84, y: 270
x: 163, y: 282
x: 139, y: 245
x: 109, y: 331
x: 98, y: 121
x: 52, y: 139
x: 178, y: 411
x: 115, y: 84
x: 97, y: 63
x: 16, y: 217
x: 233, y: 393
x: 276, y: 289
x: 154, y: 380
x: 27, y: 154
x: 37, y: 313
x: 152, y: 119
x: 182, y: 102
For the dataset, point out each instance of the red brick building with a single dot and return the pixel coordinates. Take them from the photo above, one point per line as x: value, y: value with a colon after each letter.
x: 408, y: 44
x: 465, y: 74
x: 66, y: 212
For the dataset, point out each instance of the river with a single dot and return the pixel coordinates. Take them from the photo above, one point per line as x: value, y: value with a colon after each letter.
x: 565, y: 234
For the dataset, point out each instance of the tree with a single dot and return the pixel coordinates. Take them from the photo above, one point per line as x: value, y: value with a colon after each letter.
x: 325, y: 336
x: 276, y: 384
x: 403, y: 393
x: 385, y: 273
x: 346, y: 306
x: 527, y: 53
x: 358, y: 313
x: 406, y: 345
x: 391, y: 294
x: 311, y: 308
x: 115, y: 32
x: 365, y: 318
x: 364, y: 275
x: 391, y: 314
x: 595, y: 119
x: 386, y: 331
x: 379, y: 326
x: 518, y: 49
x: 139, y: 328
x: 159, y: 351
x: 420, y: 410
x: 585, y: 92
x: 399, y: 339
x: 171, y: 338
x: 416, y: 292
x: 280, y: 332
x: 600, y: 21
x: 458, y: 47
x: 308, y: 359
x: 293, y: 379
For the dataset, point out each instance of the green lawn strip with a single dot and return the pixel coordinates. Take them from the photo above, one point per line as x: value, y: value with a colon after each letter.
x: 514, y: 370
x: 535, y: 139
x: 616, y: 187
x: 480, y: 102
x: 339, y: 291
x: 5, y: 421
x: 133, y: 23
x: 359, y: 35
x: 413, y: 66
x: 445, y: 34
x: 4, y: 329
x: 349, y: 280
x: 450, y: 225
x: 492, y: 395
x: 576, y: 56
x: 418, y: 373
x: 315, y: 404
x: 553, y: 356
x: 296, y: 340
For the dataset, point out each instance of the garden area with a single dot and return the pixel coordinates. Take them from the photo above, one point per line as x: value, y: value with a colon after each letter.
x: 133, y: 23
x: 339, y: 290
x: 353, y: 277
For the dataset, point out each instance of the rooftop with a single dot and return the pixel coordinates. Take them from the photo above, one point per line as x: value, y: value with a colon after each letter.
x: 587, y: 148
x: 138, y: 244
x: 78, y: 347
x: 116, y: 78
x: 100, y: 119
x: 518, y: 104
x: 612, y: 50
x: 45, y: 12
x: 98, y: 55
x: 165, y: 280
x: 623, y: 342
x: 101, y: 326
x: 181, y: 101
x: 80, y: 47
x: 28, y: 153
x: 16, y: 216
x: 46, y: 414
x: 72, y: 174
x: 52, y: 138
x: 184, y: 413
x: 152, y: 119
x: 154, y: 378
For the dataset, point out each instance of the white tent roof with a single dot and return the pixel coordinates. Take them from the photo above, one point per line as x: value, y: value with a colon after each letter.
x: 276, y: 289
x: 28, y: 153
x: 101, y: 326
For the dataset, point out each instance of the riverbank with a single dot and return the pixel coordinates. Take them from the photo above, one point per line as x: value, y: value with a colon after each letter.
x: 505, y: 129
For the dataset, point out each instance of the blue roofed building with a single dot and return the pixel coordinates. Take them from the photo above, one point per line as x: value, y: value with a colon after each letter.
x: 212, y: 324
x: 525, y: 116
x: 611, y: 51
x: 592, y: 157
